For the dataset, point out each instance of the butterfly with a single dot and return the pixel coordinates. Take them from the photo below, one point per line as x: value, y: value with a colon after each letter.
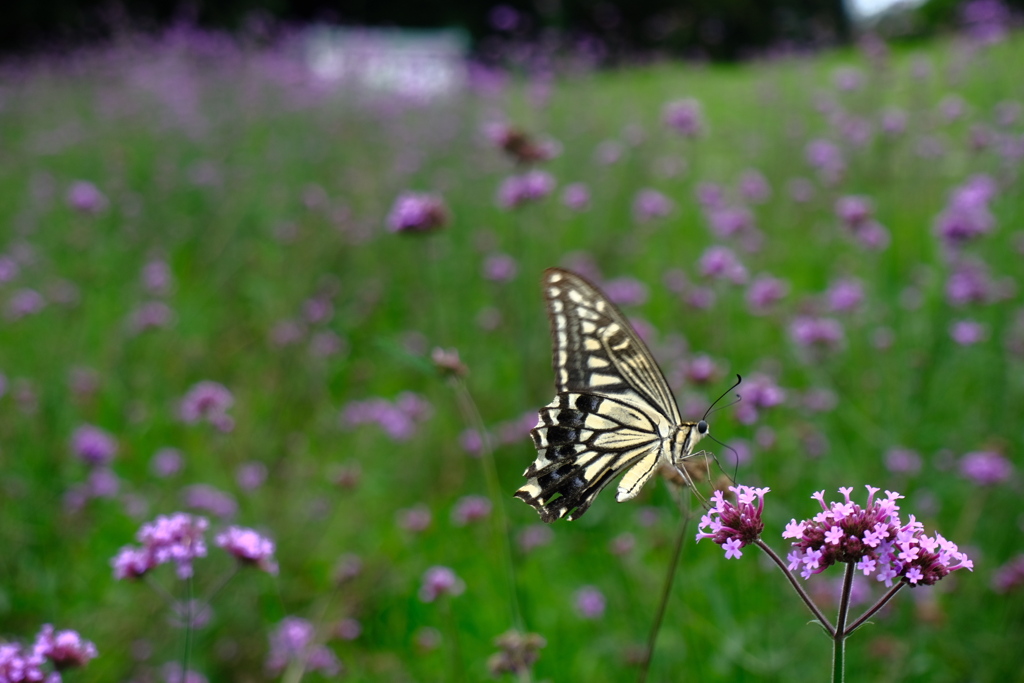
x: 614, y: 411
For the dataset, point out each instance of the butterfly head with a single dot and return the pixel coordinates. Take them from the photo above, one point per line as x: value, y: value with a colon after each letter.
x: 702, y: 427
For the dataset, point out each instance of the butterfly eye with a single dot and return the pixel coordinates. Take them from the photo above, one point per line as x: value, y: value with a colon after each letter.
x: 702, y: 427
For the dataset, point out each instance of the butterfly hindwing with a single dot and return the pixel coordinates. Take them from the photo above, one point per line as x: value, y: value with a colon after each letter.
x: 614, y: 412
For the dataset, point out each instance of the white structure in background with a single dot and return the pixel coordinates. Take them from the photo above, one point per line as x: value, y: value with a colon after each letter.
x: 418, y: 64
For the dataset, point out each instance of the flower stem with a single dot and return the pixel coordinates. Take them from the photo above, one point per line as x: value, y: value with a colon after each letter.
x: 472, y: 416
x: 839, y: 636
x: 189, y: 605
x: 645, y: 665
x: 818, y: 614
x: 874, y: 608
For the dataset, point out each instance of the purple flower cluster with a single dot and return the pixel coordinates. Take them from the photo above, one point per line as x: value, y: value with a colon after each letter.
x: 249, y: 547
x: 684, y: 116
x: 857, y: 216
x: 293, y: 642
x: 758, y: 391
x: 438, y: 581
x: 469, y: 509
x: 177, y: 538
x: 60, y: 649
x: 94, y: 446
x: 986, y: 468
x: 416, y: 212
x: 208, y: 402
x: 398, y: 419
x: 1010, y: 576
x: 590, y: 602
x: 967, y: 216
x: 734, y: 525
x: 874, y: 539
x: 531, y: 186
x: 650, y: 204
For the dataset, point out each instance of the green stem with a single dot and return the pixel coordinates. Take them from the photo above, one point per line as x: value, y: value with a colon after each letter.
x: 472, y: 416
x: 839, y: 639
x: 186, y: 655
x: 645, y: 665
x: 838, y: 658
x: 815, y: 610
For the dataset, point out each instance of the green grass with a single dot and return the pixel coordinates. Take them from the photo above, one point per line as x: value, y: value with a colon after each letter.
x: 141, y: 123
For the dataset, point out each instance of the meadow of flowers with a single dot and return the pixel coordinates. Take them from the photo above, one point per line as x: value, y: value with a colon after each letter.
x: 288, y: 336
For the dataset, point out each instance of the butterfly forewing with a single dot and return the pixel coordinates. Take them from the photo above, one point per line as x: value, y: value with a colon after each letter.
x: 614, y: 411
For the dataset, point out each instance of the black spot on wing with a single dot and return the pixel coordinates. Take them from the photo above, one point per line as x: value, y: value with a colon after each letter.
x: 588, y: 403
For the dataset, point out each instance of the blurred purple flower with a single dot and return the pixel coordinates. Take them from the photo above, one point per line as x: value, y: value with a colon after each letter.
x: 415, y: 519
x: 178, y: 538
x: 166, y: 462
x: 966, y: 215
x: 754, y: 187
x: 534, y: 536
x: 348, y: 629
x: 701, y: 369
x: 684, y: 116
x: 844, y: 295
x: 249, y: 547
x: 317, y: 309
x: 608, y: 152
x: 207, y: 401
x: 293, y: 642
x: 415, y: 212
x: 504, y: 18
x: 970, y: 283
x: 894, y: 121
x: 801, y: 190
x: 469, y: 509
x: 500, y: 267
x: 251, y: 475
x: 326, y: 343
x: 157, y: 278
x: 439, y: 581
x: 150, y: 315
x: 576, y: 196
x: 902, y: 461
x: 986, y: 467
x: 854, y: 211
x: 626, y: 291
x: 172, y: 674
x: 211, y: 499
x: 93, y: 445
x: 102, y: 483
x: 650, y: 204
x: 764, y: 292
x: 819, y: 332
x: 721, y: 263
x: 968, y: 332
x: 826, y: 158
x: 729, y: 221
x: 589, y: 602
x: 85, y: 197
x: 848, y: 79
x: 711, y: 196
x: 952, y: 107
x: 986, y: 21
x: 532, y: 186
x: 1010, y: 576
x: 758, y: 391
x: 64, y: 649
x: 25, y: 302
x: 8, y: 268
x: 820, y: 400
x: 286, y: 333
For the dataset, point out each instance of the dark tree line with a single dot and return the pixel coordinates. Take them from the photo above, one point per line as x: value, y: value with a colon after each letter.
x: 718, y: 29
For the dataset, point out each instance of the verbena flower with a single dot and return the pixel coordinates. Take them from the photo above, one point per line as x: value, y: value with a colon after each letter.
x: 85, y: 197
x: 874, y: 539
x: 470, y: 509
x: 399, y: 418
x: 844, y: 295
x: 208, y: 402
x: 589, y: 602
x: 818, y: 332
x: 650, y: 204
x: 764, y: 292
x: 576, y: 196
x: 734, y: 525
x: 64, y: 649
x: 720, y: 262
x: 519, y: 145
x: 532, y: 186
x: 415, y: 212
x: 626, y: 291
x: 500, y: 267
x: 903, y: 461
x: 166, y: 462
x: 754, y: 187
x: 177, y: 538
x: 439, y: 581
x: 294, y: 641
x: 93, y: 445
x: 758, y: 391
x: 986, y: 467
x: 684, y: 116
x: 249, y: 547
x: 1010, y: 576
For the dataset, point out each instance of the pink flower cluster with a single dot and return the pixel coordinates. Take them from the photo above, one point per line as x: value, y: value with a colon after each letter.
x: 177, y: 538
x: 874, y: 539
x: 734, y: 525
x: 61, y: 649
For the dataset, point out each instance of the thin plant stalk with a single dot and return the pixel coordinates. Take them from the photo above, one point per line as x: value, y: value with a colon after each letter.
x: 673, y: 564
x: 472, y: 416
x: 186, y: 655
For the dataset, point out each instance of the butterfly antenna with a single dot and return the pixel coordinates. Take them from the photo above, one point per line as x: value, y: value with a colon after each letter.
x: 735, y: 458
x: 739, y: 379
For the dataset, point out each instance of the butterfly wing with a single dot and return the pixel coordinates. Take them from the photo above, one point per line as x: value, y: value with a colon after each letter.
x: 614, y: 411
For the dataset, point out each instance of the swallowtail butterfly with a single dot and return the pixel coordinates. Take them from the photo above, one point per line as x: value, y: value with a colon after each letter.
x: 614, y: 411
